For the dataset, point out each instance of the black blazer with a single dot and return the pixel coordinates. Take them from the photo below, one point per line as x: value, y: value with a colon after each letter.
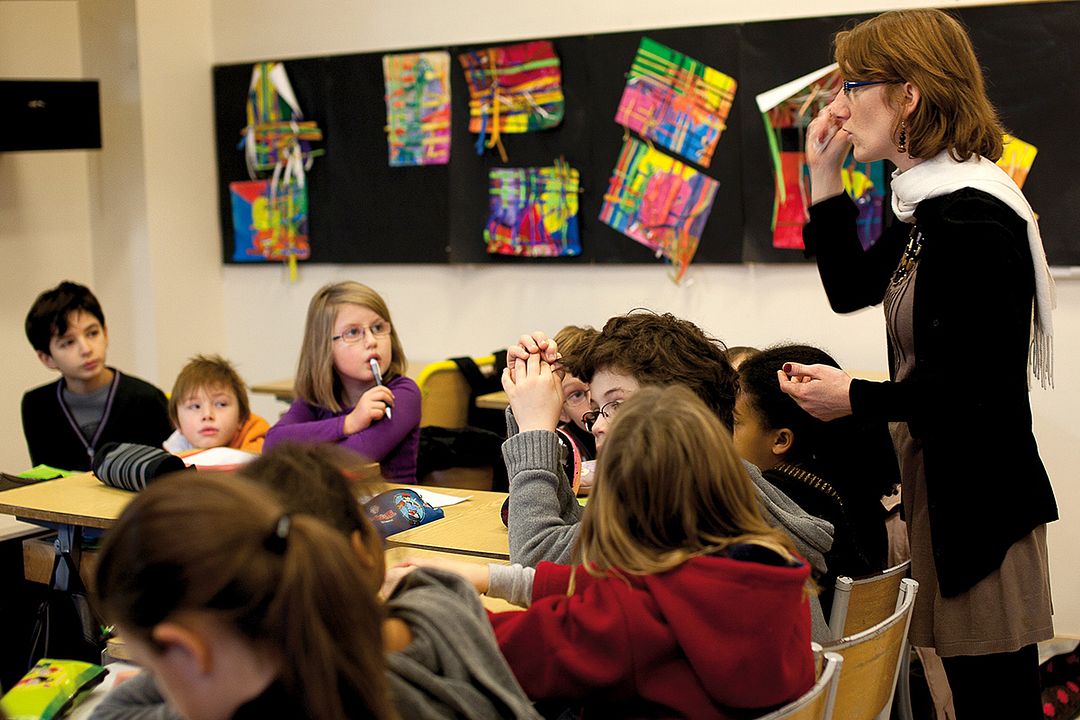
x: 967, y: 399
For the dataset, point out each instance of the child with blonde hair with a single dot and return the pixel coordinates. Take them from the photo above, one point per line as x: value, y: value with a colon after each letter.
x: 209, y: 408
x: 683, y: 601
x: 350, y: 383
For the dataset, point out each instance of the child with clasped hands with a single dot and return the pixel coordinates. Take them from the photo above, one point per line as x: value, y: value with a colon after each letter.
x: 533, y: 383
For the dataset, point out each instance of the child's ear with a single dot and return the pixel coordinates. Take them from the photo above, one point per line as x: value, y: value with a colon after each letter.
x: 564, y: 417
x: 782, y: 442
x: 47, y: 360
x: 183, y: 645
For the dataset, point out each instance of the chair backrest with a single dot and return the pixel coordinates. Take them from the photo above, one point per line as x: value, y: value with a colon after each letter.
x: 445, y: 394
x: 863, y: 603
x: 872, y: 660
x: 817, y: 702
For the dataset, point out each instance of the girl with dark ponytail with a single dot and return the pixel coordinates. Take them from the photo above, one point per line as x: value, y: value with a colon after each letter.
x: 240, y: 609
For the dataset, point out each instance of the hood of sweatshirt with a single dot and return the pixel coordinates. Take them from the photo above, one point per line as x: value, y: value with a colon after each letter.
x: 737, y: 620
x: 710, y: 636
x: 813, y: 536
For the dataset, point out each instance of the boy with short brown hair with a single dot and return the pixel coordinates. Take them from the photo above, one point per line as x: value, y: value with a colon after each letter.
x: 91, y: 404
x: 209, y: 408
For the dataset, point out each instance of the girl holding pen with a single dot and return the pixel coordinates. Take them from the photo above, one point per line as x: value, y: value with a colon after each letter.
x: 350, y: 383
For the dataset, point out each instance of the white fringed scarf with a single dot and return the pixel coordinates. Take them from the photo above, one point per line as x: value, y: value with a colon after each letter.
x: 942, y: 175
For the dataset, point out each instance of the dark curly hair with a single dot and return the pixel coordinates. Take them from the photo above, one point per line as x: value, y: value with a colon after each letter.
x: 663, y: 350
x: 759, y: 385
x: 848, y: 451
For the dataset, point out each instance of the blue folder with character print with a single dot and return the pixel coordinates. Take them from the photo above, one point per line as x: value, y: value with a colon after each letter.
x: 397, y: 510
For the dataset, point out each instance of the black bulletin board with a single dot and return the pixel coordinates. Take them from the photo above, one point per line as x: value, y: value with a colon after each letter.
x: 364, y: 211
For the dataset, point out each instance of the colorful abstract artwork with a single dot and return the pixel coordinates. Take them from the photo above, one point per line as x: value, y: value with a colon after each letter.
x: 1017, y: 158
x: 277, y: 141
x: 276, y: 134
x: 418, y: 108
x: 787, y: 111
x: 675, y: 101
x: 533, y: 212
x: 269, y: 226
x: 512, y: 89
x: 659, y: 202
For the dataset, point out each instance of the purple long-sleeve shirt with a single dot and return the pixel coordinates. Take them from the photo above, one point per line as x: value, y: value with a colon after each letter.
x: 393, y: 443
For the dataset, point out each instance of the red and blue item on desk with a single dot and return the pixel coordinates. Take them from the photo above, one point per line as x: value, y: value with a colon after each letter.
x: 398, y: 510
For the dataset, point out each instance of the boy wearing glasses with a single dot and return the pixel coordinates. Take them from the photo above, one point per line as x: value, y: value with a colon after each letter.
x: 632, y: 351
x: 572, y: 342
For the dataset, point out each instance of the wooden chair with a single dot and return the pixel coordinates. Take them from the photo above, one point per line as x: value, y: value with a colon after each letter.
x: 445, y: 393
x: 872, y: 662
x: 445, y: 397
x: 863, y: 603
x: 817, y: 703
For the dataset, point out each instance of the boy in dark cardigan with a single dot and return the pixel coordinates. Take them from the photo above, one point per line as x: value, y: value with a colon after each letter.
x: 91, y: 404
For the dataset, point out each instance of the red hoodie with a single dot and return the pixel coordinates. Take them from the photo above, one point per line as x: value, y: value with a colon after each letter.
x: 712, y: 636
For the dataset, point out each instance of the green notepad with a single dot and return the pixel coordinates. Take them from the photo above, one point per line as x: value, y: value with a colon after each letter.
x: 46, y: 472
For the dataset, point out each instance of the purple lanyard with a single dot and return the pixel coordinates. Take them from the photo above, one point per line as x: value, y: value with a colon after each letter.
x: 92, y: 443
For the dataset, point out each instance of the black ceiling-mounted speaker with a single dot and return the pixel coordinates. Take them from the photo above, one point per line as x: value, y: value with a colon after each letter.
x: 49, y: 115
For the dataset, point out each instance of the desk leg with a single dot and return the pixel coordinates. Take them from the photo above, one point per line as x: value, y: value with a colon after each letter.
x: 69, y: 540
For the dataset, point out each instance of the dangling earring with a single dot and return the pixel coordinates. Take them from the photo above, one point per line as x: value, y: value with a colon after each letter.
x: 901, y: 146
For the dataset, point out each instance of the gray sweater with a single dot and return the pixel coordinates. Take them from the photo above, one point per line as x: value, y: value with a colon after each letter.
x: 544, y: 515
x: 451, y: 669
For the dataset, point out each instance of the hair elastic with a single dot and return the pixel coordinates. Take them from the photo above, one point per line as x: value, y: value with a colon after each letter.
x: 278, y: 539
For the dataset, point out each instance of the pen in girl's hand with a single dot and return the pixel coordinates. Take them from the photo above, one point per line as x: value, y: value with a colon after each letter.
x: 378, y: 381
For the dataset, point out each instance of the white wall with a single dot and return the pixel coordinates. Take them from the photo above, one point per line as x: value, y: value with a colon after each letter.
x: 169, y: 296
x: 44, y: 208
x: 135, y: 220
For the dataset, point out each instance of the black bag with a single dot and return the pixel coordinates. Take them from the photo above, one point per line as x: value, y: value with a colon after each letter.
x: 482, y: 384
x: 443, y: 448
x: 66, y: 626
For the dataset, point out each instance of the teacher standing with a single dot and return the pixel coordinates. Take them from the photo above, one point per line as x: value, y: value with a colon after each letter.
x: 967, y: 297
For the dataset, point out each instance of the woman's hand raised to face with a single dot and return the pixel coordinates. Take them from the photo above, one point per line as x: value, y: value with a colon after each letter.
x: 820, y: 390
x: 826, y: 148
x: 535, y: 393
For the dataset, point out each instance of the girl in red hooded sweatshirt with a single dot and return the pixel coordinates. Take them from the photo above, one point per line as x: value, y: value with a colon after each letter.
x: 683, y: 602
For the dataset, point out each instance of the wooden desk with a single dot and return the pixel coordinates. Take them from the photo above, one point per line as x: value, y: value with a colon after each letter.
x: 81, y: 500
x: 473, y: 527
x: 469, y: 528
x: 280, y: 389
x: 39, y: 555
x: 73, y: 503
x: 493, y: 401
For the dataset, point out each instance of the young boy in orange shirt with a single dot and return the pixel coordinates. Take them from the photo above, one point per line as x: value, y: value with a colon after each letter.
x: 209, y: 408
